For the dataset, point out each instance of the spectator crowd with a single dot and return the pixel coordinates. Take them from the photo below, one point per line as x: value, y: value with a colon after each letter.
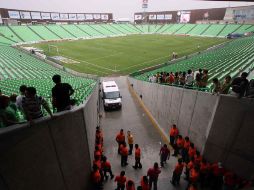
x: 240, y: 86
x: 30, y: 105
x: 199, y: 173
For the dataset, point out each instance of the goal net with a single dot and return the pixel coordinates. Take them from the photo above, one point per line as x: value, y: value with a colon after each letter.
x: 53, y: 49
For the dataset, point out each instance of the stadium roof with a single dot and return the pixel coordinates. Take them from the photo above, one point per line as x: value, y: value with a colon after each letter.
x: 120, y: 9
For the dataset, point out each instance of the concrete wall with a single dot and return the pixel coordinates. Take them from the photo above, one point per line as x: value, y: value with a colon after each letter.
x: 190, y: 110
x: 221, y: 127
x: 51, y: 154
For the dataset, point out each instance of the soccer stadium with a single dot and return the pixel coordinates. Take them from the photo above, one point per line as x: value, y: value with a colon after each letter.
x: 126, y: 95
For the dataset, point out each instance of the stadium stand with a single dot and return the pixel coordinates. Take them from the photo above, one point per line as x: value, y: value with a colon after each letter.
x: 44, y: 32
x: 25, y: 33
x: 18, y: 68
x: 213, y: 30
x: 235, y: 57
x: 16, y: 34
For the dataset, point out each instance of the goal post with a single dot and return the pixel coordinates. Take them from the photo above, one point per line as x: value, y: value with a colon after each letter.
x: 52, y: 49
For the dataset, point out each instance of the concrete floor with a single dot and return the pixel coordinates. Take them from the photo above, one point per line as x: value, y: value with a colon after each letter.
x: 133, y: 118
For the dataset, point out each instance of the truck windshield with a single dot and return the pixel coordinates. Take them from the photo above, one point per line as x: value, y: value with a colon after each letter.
x: 112, y: 95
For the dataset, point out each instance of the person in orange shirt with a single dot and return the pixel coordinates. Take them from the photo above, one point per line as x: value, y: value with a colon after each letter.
x: 120, y: 180
x: 106, y: 168
x: 204, y: 172
x: 144, y: 183
x: 177, y: 172
x: 97, y: 161
x: 153, y: 174
x: 197, y: 158
x: 96, y: 178
x: 229, y: 181
x: 186, y: 149
x: 188, y: 167
x: 130, y: 141
x: 120, y: 139
x: 192, y: 151
x: 99, y: 135
x: 124, y: 155
x: 179, y: 145
x: 130, y: 185
x: 173, y: 133
x: 217, y: 175
x: 194, y: 175
x: 193, y: 186
x: 97, y: 152
x: 137, y: 157
x: 99, y: 145
x: 164, y: 154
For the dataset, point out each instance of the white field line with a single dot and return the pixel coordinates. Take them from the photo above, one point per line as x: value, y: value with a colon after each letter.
x: 88, y: 63
x: 112, y: 55
x: 144, y: 63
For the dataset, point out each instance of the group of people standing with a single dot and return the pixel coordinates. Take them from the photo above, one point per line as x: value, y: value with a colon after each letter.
x: 198, y: 172
x: 187, y: 79
x: 30, y: 104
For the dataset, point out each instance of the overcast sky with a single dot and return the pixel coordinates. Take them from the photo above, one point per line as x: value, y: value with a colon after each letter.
x: 119, y: 8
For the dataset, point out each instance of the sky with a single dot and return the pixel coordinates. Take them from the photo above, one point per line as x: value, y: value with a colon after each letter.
x: 119, y: 8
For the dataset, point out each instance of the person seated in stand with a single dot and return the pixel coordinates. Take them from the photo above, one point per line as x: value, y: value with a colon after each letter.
x: 204, y: 79
x: 216, y: 86
x: 189, y: 80
x: 182, y: 79
x: 32, y: 104
x: 226, y: 85
x: 240, y: 85
x: 250, y: 90
x: 176, y: 82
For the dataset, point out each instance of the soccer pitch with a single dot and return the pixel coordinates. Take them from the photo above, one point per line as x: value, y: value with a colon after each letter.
x: 124, y: 55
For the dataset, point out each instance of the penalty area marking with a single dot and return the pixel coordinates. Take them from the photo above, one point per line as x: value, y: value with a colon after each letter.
x: 143, y: 63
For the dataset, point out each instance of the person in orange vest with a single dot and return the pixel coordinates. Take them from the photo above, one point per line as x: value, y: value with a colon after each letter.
x: 120, y: 139
x: 179, y: 145
x: 144, y: 183
x: 120, y: 180
x: 130, y: 142
x: 197, y: 158
x: 153, y: 174
x: 177, y: 172
x: 124, y: 155
x: 173, y: 133
x: 194, y: 175
x: 185, y: 150
x: 229, y: 181
x: 191, y: 151
x: 99, y: 145
x: 217, y: 175
x: 97, y: 152
x: 188, y: 167
x: 137, y: 157
x: 164, y: 154
x: 130, y: 185
x: 106, y: 168
x: 99, y: 135
x: 204, y: 171
x: 96, y: 178
x: 97, y: 161
x: 193, y: 186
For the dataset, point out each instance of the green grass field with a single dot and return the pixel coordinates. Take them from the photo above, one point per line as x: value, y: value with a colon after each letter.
x: 123, y: 55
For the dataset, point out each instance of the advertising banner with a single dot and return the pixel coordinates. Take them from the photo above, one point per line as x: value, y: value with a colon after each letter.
x: 36, y: 15
x: 81, y: 17
x: 138, y: 17
x: 97, y: 16
x: 104, y: 17
x: 168, y: 16
x: 88, y: 16
x: 185, y: 16
x: 72, y: 17
x: 25, y: 15
x: 152, y: 17
x: 160, y: 17
x: 45, y: 16
x: 64, y: 16
x: 14, y: 14
x: 55, y: 16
